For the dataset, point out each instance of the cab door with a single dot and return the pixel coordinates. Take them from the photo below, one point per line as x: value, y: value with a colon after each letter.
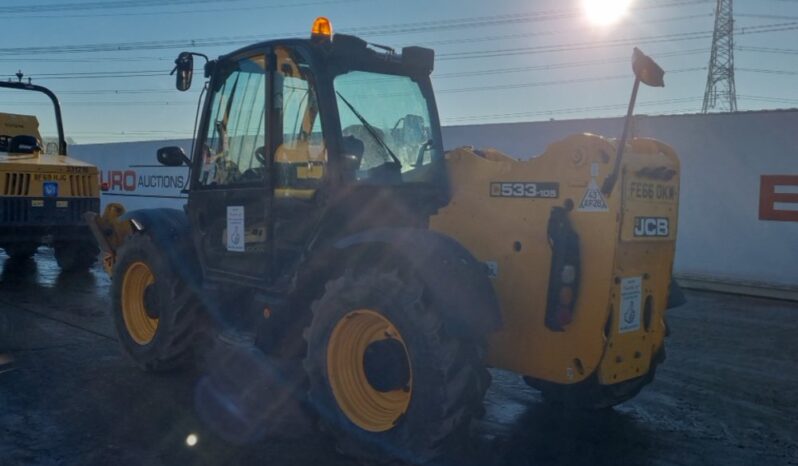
x: 299, y: 157
x: 229, y: 200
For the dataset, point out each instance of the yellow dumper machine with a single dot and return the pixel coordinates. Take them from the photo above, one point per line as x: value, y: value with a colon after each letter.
x: 325, y: 225
x: 43, y: 192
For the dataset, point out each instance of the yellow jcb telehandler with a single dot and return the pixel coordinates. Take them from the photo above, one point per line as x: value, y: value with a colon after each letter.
x: 326, y: 226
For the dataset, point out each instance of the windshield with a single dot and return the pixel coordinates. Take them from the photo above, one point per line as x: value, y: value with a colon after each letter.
x: 385, y: 119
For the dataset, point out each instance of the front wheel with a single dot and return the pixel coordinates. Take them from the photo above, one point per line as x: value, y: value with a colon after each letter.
x: 387, y: 378
x: 75, y: 256
x: 154, y: 312
x: 20, y: 251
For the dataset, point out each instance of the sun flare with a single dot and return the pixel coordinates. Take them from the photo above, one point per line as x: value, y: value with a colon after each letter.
x: 605, y: 12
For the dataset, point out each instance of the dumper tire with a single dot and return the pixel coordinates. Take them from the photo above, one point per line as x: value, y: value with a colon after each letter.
x: 20, y: 251
x: 144, y: 283
x: 75, y: 256
x: 360, y: 319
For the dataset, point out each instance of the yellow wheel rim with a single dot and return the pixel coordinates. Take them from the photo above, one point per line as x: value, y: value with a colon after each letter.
x: 140, y: 326
x: 367, y: 407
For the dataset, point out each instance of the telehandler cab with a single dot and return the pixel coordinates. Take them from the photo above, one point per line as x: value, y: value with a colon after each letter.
x: 324, y: 223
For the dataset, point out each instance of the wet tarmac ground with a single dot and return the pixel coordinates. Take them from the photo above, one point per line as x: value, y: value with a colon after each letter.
x: 727, y: 394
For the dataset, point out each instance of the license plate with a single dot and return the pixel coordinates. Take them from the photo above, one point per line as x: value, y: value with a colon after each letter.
x: 647, y: 191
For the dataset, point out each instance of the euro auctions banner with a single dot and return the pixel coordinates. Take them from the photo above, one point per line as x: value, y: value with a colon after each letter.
x: 130, y: 174
x: 157, y: 182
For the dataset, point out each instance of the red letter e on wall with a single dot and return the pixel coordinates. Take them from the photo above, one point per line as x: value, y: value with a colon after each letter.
x: 778, y: 198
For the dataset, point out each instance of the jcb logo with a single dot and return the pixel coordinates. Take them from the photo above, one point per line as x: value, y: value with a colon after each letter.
x: 652, y: 226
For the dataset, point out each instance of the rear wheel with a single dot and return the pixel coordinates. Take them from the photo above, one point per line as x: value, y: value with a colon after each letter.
x: 386, y: 377
x: 155, y: 314
x: 74, y: 256
x: 21, y: 250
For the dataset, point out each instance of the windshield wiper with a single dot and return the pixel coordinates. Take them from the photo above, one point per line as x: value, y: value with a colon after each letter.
x: 371, y: 130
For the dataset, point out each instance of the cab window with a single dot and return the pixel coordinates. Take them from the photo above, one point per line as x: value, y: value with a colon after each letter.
x: 233, y: 152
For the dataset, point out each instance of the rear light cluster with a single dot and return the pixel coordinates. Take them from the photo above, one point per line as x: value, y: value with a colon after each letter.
x: 564, y: 273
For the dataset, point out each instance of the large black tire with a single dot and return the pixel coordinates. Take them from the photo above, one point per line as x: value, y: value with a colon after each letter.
x: 168, y: 343
x: 75, y: 256
x: 590, y: 395
x: 447, y: 380
x: 19, y: 251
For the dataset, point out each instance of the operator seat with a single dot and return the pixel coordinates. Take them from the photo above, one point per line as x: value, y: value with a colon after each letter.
x: 24, y: 144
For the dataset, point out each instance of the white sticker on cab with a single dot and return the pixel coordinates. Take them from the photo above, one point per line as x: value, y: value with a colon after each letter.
x: 235, y: 228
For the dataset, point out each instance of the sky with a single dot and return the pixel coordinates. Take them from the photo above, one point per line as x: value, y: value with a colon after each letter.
x: 496, y: 61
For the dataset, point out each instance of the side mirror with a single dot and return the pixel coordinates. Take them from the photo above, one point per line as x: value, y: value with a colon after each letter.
x: 172, y: 156
x: 421, y: 57
x: 647, y: 70
x: 183, y: 71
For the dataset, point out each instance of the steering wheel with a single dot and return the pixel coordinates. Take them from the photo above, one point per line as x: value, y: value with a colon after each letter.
x: 251, y: 174
x: 260, y: 155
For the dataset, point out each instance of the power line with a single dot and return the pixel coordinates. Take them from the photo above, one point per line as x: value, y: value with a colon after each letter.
x: 189, y: 11
x: 767, y: 50
x: 35, y: 11
x: 780, y: 100
x: 480, y: 72
x: 389, y: 29
x: 523, y: 35
x: 91, y: 103
x: 562, y: 65
x: 776, y: 27
x: 768, y: 71
x: 759, y: 16
x: 121, y: 133
x: 130, y: 74
x: 98, y: 73
x: 572, y: 109
x: 552, y: 66
x: 242, y: 40
x: 38, y: 59
x: 586, y: 109
x: 103, y: 5
x: 443, y: 91
x: 118, y: 92
x: 552, y: 83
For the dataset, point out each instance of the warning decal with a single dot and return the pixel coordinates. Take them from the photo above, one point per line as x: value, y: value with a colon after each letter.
x: 631, y: 293
x: 235, y: 228
x: 593, y: 201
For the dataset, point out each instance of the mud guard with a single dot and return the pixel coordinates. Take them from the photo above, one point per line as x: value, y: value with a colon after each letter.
x: 171, y: 233
x: 676, y: 296
x: 458, y: 283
